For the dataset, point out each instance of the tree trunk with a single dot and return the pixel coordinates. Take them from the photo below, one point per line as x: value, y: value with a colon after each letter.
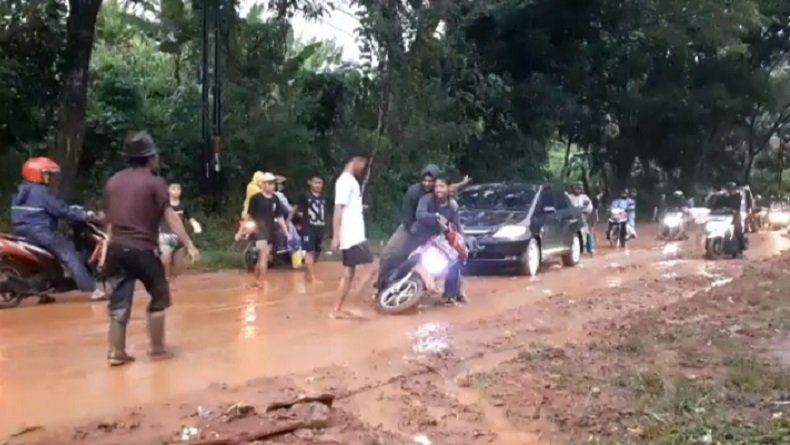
x: 73, y: 101
x: 566, y: 167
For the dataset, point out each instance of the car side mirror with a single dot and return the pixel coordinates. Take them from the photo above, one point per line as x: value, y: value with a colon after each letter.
x: 549, y: 209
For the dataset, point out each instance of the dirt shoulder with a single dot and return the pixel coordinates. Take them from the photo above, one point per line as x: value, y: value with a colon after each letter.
x: 653, y: 361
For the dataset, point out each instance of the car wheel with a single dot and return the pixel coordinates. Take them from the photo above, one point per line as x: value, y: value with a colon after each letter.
x: 531, y: 259
x: 573, y: 257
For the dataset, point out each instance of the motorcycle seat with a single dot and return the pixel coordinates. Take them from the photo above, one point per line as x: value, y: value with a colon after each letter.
x: 19, y: 239
x: 9, y: 237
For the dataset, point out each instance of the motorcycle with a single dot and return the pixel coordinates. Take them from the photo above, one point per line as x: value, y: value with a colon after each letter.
x: 759, y: 219
x: 425, y: 266
x: 720, y: 237
x: 673, y: 226
x: 618, y: 232
x: 280, y: 254
x: 27, y: 270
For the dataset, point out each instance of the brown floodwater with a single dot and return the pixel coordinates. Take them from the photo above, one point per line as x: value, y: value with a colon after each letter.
x: 52, y: 358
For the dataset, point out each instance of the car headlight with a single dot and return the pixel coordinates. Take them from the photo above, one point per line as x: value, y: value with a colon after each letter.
x: 434, y: 261
x: 511, y: 232
x: 673, y: 221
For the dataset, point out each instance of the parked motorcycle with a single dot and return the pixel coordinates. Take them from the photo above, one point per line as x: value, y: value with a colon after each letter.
x: 759, y: 219
x: 424, y: 267
x: 618, y: 231
x: 27, y: 270
x: 673, y: 226
x: 720, y: 237
x: 778, y: 218
x: 279, y: 256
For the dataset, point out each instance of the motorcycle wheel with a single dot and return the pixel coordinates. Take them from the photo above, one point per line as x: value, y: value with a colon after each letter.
x: 250, y: 258
x: 8, y: 298
x: 614, y: 237
x: 713, y: 248
x: 392, y: 301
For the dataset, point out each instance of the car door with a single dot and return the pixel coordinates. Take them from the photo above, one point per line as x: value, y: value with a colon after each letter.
x: 545, y: 217
x: 567, y: 218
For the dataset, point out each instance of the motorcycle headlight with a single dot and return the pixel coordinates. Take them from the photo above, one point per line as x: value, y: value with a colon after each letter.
x: 779, y: 218
x: 717, y: 227
x: 434, y: 261
x: 673, y: 220
x: 511, y: 232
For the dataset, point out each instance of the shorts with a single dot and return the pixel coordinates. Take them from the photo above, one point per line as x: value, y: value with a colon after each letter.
x: 125, y: 266
x: 169, y: 243
x: 357, y: 255
x: 313, y: 239
x: 262, y: 234
x: 262, y: 244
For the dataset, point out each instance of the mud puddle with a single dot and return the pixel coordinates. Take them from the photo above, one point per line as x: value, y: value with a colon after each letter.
x: 409, y: 368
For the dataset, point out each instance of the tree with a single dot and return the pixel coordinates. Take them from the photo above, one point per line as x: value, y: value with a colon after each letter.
x: 73, y: 102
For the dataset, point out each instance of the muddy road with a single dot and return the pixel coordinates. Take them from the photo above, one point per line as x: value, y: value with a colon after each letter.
x: 238, y: 344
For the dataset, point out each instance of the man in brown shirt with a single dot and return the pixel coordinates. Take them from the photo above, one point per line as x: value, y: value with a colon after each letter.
x: 136, y: 202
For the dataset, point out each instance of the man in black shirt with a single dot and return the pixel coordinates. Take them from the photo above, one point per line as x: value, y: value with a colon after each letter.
x: 313, y: 211
x: 409, y: 209
x: 267, y: 211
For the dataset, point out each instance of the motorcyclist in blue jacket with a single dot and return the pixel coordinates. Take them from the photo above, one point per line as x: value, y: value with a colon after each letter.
x: 35, y: 211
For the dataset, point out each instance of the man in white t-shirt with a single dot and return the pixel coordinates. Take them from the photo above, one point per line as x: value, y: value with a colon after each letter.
x: 349, y: 230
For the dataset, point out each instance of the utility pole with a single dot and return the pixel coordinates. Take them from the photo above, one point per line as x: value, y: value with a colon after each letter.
x: 211, y: 126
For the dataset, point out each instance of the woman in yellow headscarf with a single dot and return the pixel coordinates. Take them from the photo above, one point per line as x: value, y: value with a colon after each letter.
x: 253, y: 188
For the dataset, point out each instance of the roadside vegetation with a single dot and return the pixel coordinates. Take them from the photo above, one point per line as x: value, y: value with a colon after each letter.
x: 656, y: 94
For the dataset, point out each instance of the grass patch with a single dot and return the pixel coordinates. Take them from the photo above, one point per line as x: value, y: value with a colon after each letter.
x: 712, y: 432
x: 644, y: 384
x: 747, y: 375
x: 632, y: 345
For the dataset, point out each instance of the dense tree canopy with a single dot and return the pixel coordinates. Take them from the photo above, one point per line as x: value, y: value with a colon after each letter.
x: 665, y: 93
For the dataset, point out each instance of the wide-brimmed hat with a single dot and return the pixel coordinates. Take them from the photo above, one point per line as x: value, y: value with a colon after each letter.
x: 140, y: 145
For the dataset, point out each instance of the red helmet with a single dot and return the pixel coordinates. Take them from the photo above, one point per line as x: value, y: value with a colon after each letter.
x: 35, y: 170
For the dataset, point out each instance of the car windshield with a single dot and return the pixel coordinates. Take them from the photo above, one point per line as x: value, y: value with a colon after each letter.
x: 497, y: 197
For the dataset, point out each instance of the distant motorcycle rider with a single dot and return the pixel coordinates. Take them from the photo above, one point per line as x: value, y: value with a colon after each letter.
x: 626, y: 203
x: 677, y: 202
x: 733, y: 200
x: 35, y: 211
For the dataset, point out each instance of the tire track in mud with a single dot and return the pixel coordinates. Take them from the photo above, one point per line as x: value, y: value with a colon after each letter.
x: 448, y: 378
x: 431, y: 394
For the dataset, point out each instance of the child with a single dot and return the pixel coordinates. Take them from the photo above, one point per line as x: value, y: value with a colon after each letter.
x: 171, y: 250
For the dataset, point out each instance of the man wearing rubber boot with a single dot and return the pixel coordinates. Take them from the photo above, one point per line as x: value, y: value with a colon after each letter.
x: 136, y: 203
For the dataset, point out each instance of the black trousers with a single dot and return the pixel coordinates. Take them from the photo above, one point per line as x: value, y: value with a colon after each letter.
x: 124, y: 267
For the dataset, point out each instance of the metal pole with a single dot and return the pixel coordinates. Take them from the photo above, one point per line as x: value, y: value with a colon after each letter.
x: 217, y: 139
x: 217, y: 77
x: 205, y: 84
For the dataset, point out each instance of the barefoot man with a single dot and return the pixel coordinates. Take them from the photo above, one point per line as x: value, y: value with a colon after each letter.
x: 349, y: 232
x: 312, y: 208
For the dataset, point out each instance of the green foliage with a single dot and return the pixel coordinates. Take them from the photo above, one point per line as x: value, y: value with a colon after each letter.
x: 654, y: 92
